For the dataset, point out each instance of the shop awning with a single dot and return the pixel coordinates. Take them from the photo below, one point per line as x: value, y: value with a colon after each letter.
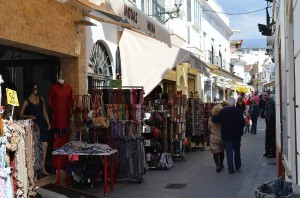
x: 146, y: 61
x: 243, y: 88
x: 224, y: 73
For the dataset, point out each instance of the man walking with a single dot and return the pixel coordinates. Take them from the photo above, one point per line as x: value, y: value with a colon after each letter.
x: 232, y: 125
x: 270, y: 118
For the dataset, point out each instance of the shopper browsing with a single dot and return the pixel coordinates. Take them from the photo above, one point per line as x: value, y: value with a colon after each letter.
x: 216, y: 142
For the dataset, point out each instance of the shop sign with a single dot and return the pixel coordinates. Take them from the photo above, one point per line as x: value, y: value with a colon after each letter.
x: 12, y: 97
x: 115, y: 84
x: 130, y: 13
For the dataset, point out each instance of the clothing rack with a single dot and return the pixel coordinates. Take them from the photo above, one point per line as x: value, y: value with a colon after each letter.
x: 130, y: 162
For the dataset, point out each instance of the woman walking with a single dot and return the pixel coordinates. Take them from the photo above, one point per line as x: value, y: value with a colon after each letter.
x: 216, y: 143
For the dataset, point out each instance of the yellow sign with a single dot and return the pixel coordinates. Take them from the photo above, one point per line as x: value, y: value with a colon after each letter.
x: 12, y: 97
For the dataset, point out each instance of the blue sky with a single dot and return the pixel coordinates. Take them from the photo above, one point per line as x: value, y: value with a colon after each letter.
x: 246, y: 23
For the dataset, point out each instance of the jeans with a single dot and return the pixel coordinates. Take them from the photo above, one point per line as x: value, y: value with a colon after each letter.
x: 254, y: 126
x: 270, y: 142
x: 233, y: 151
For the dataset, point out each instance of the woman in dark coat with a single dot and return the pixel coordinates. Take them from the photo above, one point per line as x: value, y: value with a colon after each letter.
x: 240, y: 104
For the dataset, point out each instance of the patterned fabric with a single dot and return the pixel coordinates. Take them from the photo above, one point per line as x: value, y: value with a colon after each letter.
x: 5, y: 179
x: 29, y: 152
x: 38, y: 153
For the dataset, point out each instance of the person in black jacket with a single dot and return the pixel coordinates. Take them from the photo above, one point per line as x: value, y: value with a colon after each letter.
x: 254, y: 111
x: 240, y: 104
x: 232, y: 125
x: 270, y: 118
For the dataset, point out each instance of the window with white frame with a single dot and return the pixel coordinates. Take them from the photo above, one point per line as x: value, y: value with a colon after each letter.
x: 197, y: 13
x: 188, y: 10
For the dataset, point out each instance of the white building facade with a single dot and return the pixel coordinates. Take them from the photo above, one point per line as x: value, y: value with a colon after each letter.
x: 285, y: 42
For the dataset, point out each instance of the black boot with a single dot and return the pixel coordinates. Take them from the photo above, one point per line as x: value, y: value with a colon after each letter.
x: 217, y: 162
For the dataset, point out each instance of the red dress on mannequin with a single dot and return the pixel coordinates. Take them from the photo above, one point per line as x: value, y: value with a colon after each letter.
x: 60, y: 101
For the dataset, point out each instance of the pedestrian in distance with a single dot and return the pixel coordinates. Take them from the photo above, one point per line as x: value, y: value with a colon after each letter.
x: 216, y: 142
x: 240, y: 104
x: 247, y: 122
x: 254, y: 111
x: 232, y: 125
x: 270, y: 118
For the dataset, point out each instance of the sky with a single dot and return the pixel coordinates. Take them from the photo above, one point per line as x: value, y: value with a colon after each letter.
x: 247, y: 23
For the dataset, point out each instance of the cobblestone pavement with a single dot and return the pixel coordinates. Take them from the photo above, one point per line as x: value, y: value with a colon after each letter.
x: 199, y: 177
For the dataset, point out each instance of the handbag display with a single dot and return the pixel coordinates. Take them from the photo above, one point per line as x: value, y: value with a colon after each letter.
x: 99, y: 118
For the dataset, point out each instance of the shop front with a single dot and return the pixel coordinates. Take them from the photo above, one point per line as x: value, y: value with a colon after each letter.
x: 226, y: 83
x: 33, y: 53
x: 39, y: 42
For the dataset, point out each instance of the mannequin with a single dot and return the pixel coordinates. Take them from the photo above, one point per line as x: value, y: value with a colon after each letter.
x: 60, y: 101
x: 34, y: 108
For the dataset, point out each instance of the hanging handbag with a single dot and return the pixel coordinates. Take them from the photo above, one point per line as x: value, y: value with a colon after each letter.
x: 99, y: 119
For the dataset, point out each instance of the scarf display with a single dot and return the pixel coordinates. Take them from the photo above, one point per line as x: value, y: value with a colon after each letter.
x: 18, y: 138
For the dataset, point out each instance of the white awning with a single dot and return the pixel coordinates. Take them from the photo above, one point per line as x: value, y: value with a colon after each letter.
x: 146, y: 61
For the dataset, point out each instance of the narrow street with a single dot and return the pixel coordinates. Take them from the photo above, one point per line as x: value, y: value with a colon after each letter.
x: 199, y: 177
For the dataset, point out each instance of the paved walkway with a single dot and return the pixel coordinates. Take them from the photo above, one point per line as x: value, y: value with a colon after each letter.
x: 199, y: 177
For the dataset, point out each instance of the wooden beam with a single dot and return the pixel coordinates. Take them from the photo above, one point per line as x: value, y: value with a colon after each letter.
x: 100, y: 19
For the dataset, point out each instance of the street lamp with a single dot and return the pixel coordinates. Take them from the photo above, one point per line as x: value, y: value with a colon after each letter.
x: 171, y: 14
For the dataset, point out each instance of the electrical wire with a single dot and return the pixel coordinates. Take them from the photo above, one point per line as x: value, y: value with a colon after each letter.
x: 241, y: 13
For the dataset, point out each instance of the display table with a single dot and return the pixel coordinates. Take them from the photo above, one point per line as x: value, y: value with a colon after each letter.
x: 104, y: 155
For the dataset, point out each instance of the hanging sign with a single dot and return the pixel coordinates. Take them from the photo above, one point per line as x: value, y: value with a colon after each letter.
x: 115, y: 84
x: 12, y: 97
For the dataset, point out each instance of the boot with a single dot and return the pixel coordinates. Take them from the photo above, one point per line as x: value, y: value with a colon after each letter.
x: 221, y: 155
x: 217, y: 161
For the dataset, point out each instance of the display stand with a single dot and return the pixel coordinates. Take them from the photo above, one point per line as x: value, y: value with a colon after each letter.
x: 195, y: 123
x: 178, y: 132
x: 123, y: 108
x: 156, y: 146
x: 105, y: 168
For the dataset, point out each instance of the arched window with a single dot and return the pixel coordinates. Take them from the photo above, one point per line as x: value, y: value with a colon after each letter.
x: 100, y: 61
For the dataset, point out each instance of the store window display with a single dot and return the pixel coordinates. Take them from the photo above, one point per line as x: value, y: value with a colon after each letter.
x: 34, y: 108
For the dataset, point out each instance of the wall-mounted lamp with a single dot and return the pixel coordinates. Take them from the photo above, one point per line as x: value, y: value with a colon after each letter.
x: 171, y: 14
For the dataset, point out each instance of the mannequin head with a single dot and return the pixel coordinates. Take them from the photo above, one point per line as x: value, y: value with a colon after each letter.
x: 60, y: 78
x: 32, y: 89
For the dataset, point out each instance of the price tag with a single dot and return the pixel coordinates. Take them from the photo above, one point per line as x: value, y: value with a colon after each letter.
x: 12, y: 97
x: 73, y: 157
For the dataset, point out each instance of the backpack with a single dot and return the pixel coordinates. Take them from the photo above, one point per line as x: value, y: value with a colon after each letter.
x: 165, y: 162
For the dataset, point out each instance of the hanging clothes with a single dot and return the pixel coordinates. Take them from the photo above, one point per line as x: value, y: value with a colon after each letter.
x: 5, y: 172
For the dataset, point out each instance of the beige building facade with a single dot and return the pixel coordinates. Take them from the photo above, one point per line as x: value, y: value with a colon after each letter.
x: 43, y: 30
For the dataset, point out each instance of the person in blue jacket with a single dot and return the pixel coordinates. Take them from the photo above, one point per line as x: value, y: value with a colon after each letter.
x: 232, y: 125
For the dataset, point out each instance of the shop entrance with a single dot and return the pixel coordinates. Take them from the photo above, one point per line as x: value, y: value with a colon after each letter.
x: 23, y: 67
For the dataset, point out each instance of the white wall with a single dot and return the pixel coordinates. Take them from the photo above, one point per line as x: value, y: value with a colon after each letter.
x: 108, y: 33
